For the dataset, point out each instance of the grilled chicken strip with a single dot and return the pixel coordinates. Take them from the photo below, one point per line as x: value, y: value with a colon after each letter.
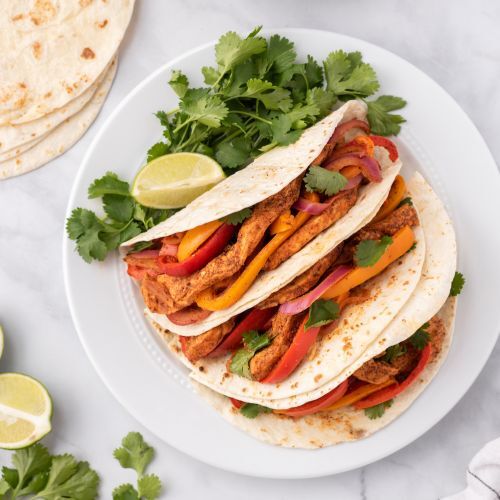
x: 375, y: 372
x: 200, y: 346
x: 283, y: 329
x: 157, y: 298
x: 302, y: 283
x: 343, y: 202
x: 185, y: 289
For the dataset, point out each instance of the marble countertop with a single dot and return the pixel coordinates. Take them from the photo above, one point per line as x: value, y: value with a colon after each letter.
x: 456, y: 43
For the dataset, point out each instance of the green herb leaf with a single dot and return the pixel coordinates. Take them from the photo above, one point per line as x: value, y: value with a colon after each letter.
x: 253, y: 342
x: 405, y: 201
x: 179, y: 83
x: 27, y: 463
x: 393, y: 352
x: 252, y: 410
x: 237, y: 217
x: 420, y: 338
x: 272, y: 97
x: 125, y: 492
x: 324, y: 181
x: 281, y: 131
x: 378, y: 410
x: 347, y: 75
x: 149, y: 487
x: 382, y: 122
x: 108, y: 184
x: 200, y: 106
x: 118, y: 207
x: 134, y: 453
x: 233, y: 154
x: 368, y: 252
x: 457, y: 284
x: 322, y: 312
x: 157, y: 150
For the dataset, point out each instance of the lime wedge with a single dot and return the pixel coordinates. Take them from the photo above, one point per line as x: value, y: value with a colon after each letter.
x: 174, y: 180
x: 25, y: 411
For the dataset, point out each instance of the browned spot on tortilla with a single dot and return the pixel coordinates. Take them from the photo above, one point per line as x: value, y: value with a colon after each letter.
x: 47, y: 95
x: 18, y: 161
x: 318, y: 377
x: 22, y: 85
x: 84, y: 3
x: 17, y: 17
x: 103, y: 24
x: 87, y: 53
x: 201, y: 368
x: 37, y: 50
x: 42, y: 12
x: 69, y: 89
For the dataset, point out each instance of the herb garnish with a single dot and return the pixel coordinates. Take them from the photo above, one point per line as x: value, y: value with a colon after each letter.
x: 324, y: 181
x: 378, y: 411
x: 322, y: 312
x: 457, y: 284
x: 237, y: 217
x: 253, y: 342
x: 252, y: 410
x: 421, y: 337
x: 368, y: 252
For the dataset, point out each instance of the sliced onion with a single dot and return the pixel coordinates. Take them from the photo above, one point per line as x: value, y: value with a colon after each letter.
x: 342, y: 129
x: 169, y: 249
x: 188, y: 316
x: 146, y: 254
x: 369, y: 166
x: 311, y: 207
x: 353, y: 182
x: 302, y: 303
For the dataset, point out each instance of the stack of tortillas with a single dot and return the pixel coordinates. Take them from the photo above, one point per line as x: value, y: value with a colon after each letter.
x: 58, y: 59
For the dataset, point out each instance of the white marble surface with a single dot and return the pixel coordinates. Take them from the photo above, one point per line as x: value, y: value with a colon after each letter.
x: 457, y: 43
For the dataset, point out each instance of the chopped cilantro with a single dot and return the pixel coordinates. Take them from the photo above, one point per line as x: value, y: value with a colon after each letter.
x: 421, y: 337
x: 324, y: 181
x: 405, y: 201
x: 393, y: 352
x: 252, y: 342
x: 322, y: 312
x: 179, y: 83
x: 368, y: 252
x: 457, y: 284
x: 237, y: 217
x: 378, y: 410
x: 252, y: 410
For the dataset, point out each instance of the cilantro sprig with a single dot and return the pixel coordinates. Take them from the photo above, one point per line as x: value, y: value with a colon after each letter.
x: 457, y: 284
x: 368, y: 252
x: 252, y: 342
x: 124, y: 218
x: 322, y: 312
x: 253, y: 410
x: 237, y: 217
x: 258, y: 96
x: 378, y: 411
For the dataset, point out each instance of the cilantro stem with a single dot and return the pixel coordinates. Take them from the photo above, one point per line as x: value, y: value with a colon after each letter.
x: 252, y: 115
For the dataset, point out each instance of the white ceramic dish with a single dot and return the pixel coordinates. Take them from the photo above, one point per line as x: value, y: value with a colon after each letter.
x: 438, y: 139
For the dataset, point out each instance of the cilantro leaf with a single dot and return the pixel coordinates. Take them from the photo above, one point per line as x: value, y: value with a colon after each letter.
x: 108, y: 184
x: 134, y: 453
x: 157, y: 150
x: 28, y: 464
x: 322, y: 99
x: 252, y: 342
x: 322, y: 312
x: 280, y: 55
x: 233, y: 154
x: 368, y: 252
x: 237, y: 217
x: 70, y: 479
x: 281, y: 131
x: 252, y: 410
x: 125, y: 492
x: 200, y: 106
x: 272, y: 97
x: 179, y: 83
x: 324, y: 181
x: 457, y: 284
x: 393, y: 352
x: 382, y: 122
x: 378, y: 411
x: 117, y: 207
x: 405, y: 201
x: 347, y: 75
x: 420, y: 338
x: 149, y: 487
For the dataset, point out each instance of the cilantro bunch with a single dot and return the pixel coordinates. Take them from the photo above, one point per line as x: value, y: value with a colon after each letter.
x: 258, y: 96
x: 124, y: 219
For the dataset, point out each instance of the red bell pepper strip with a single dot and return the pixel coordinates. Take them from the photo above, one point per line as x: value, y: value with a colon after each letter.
x: 319, y: 404
x: 393, y: 390
x: 301, y: 344
x: 378, y: 140
x: 254, y: 320
x: 237, y: 403
x: 213, y: 247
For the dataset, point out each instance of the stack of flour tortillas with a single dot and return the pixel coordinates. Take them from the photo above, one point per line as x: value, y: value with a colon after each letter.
x: 58, y: 59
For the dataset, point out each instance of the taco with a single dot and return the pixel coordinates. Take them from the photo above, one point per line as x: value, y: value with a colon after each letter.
x: 259, y: 229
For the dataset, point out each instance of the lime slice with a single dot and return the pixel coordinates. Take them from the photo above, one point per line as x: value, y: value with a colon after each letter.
x: 25, y: 411
x: 174, y: 180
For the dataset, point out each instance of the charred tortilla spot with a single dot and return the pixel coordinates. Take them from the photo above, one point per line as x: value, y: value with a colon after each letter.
x: 87, y: 53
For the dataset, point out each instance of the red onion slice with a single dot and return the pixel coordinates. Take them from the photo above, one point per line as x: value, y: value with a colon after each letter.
x: 146, y: 254
x: 302, y: 303
x: 342, y: 129
x: 369, y: 166
x: 353, y: 182
x: 169, y: 249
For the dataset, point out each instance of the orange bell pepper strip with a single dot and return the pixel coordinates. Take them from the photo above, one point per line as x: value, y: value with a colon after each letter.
x: 207, y: 299
x: 350, y: 171
x: 396, y: 194
x: 402, y: 241
x: 194, y: 238
x: 358, y: 394
x: 283, y: 223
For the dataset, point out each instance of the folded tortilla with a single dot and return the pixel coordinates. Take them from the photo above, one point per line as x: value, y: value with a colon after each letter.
x: 334, y: 427
x: 266, y: 176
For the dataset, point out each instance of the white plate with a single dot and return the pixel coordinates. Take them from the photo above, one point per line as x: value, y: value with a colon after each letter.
x: 134, y: 364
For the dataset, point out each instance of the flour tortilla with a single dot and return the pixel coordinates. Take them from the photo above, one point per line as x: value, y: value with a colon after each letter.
x: 62, y: 137
x: 369, y: 200
x: 360, y: 325
x: 266, y: 175
x: 330, y: 428
x: 15, y: 139
x: 53, y: 51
